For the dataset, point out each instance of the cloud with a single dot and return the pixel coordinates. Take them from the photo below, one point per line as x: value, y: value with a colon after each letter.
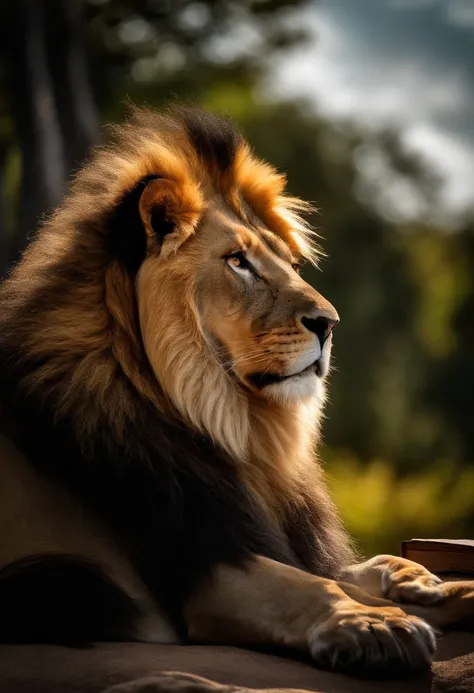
x: 402, y: 76
x: 461, y: 12
x: 410, y: 4
x: 451, y: 157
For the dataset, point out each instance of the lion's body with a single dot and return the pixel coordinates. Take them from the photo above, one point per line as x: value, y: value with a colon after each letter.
x: 98, y: 461
x: 40, y: 518
x: 162, y: 369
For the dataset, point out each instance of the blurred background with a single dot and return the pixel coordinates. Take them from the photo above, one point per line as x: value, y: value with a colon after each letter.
x: 369, y: 107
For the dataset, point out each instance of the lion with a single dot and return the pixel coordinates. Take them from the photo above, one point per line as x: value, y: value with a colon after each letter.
x: 163, y: 376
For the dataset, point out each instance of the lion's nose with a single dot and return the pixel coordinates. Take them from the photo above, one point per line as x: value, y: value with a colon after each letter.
x: 321, y: 323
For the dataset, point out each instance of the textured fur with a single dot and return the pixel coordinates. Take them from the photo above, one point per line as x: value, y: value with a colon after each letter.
x: 112, y: 387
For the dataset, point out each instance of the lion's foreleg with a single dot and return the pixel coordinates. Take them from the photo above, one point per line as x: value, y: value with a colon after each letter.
x: 418, y: 591
x: 454, y: 608
x: 267, y: 603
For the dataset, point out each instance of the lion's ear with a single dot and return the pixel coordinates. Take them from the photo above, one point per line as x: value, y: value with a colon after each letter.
x: 156, y: 210
x: 168, y: 208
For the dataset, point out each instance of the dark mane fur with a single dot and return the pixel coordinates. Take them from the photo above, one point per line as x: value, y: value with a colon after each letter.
x: 216, y: 140
x: 186, y: 510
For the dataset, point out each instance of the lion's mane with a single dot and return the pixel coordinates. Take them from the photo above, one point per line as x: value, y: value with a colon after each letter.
x: 81, y: 401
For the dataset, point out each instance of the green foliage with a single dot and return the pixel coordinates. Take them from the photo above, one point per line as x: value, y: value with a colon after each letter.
x: 439, y: 268
x: 381, y: 508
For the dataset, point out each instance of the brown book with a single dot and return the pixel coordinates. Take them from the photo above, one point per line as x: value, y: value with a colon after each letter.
x: 441, y: 555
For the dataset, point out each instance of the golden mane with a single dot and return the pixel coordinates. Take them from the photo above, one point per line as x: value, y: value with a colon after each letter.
x: 72, y: 307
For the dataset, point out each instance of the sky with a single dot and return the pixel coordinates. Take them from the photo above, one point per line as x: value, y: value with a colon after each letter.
x: 402, y: 63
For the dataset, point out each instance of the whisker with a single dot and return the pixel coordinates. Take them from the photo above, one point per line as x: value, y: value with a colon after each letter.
x: 235, y: 362
x: 246, y: 357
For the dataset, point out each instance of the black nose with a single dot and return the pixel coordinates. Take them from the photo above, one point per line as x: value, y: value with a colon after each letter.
x: 322, y: 326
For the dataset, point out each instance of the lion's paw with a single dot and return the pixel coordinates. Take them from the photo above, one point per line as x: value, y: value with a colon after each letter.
x: 412, y: 584
x: 173, y: 682
x: 378, y: 641
x: 396, y: 579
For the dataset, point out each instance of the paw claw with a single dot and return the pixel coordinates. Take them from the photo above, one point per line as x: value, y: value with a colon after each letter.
x: 377, y: 640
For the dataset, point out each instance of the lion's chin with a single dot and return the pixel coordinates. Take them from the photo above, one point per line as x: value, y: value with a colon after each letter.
x: 300, y: 387
x: 306, y: 384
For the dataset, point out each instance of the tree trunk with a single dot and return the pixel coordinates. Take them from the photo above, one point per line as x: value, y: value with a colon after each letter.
x: 3, y: 211
x: 36, y: 122
x: 77, y: 112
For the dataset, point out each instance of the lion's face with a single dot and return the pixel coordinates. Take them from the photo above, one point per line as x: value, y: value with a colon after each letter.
x: 268, y: 329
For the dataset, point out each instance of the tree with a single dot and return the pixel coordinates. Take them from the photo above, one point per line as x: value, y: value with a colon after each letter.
x: 63, y: 60
x: 54, y: 117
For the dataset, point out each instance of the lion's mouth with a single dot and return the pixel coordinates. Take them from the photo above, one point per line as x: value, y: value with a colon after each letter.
x: 261, y: 380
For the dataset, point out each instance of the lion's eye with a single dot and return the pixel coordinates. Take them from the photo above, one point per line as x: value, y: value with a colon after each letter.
x: 298, y: 266
x: 238, y: 260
